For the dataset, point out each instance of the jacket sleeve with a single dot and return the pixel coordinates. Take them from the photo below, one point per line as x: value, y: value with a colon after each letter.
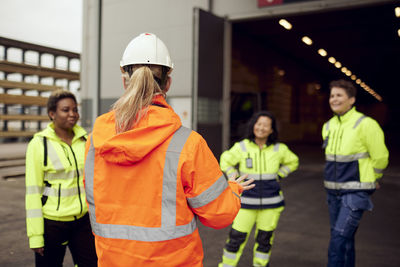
x: 374, y: 140
x: 229, y: 159
x: 34, y: 186
x: 214, y: 200
x: 289, y: 161
x: 87, y: 146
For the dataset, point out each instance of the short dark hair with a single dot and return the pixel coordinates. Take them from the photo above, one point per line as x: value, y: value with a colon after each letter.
x: 56, y: 96
x: 273, y: 137
x: 351, y: 91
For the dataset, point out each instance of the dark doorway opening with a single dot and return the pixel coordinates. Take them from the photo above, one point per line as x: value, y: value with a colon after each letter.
x: 291, y: 78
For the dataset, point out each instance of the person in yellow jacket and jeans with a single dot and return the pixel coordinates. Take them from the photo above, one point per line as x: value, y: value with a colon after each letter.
x: 56, y: 212
x: 267, y: 161
x: 147, y: 177
x: 356, y: 156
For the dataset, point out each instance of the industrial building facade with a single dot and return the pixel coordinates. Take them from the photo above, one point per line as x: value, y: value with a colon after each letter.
x: 232, y: 58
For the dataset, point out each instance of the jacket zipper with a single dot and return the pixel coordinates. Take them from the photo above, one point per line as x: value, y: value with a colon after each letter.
x: 337, y: 133
x: 59, y: 196
x: 66, y: 154
x: 77, y: 179
x: 260, y: 180
x: 340, y: 138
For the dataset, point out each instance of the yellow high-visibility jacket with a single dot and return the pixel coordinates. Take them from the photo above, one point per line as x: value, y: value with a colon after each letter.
x: 54, y: 182
x: 355, y: 151
x: 266, y: 166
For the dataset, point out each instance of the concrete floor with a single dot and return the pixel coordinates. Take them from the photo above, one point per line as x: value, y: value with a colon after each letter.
x: 301, y: 238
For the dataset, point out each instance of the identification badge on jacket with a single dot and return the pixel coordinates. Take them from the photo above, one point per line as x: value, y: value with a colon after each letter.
x: 249, y: 163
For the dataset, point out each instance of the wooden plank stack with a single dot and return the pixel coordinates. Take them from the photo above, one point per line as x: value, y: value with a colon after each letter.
x: 17, y: 95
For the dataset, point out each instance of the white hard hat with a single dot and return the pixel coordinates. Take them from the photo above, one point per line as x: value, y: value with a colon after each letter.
x: 146, y: 48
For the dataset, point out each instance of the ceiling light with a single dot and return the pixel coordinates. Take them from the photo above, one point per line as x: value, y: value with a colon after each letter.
x: 358, y: 81
x: 285, y: 24
x: 344, y: 69
x: 348, y: 73
x: 398, y: 32
x: 332, y: 60
x: 338, y: 64
x: 306, y: 40
x: 322, y: 52
x: 353, y: 77
x: 397, y: 11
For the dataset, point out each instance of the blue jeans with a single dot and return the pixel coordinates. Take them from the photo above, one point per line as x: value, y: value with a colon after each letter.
x: 345, y: 212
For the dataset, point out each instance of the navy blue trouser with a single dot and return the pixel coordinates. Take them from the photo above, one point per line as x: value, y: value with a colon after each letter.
x: 345, y: 213
x: 77, y: 235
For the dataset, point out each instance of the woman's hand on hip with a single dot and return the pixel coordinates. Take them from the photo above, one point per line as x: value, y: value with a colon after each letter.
x: 39, y: 251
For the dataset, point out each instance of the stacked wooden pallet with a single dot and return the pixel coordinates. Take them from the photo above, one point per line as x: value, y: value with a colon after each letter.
x: 26, y: 100
x: 23, y: 101
x: 12, y: 160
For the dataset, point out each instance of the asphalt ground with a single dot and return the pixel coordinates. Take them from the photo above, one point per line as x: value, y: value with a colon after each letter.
x: 302, y: 235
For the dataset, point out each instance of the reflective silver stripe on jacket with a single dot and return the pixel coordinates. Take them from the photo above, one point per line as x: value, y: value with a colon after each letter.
x: 243, y: 146
x: 359, y: 121
x: 60, y: 175
x: 347, y: 158
x: 327, y: 126
x: 378, y: 170
x: 231, y: 172
x: 285, y: 170
x: 261, y: 201
x: 58, y: 166
x: 349, y: 185
x: 276, y: 147
x: 229, y: 169
x: 35, y: 213
x: 169, y: 229
x: 34, y: 189
x: 210, y: 194
x: 54, y: 158
x: 264, y: 176
x: 65, y: 192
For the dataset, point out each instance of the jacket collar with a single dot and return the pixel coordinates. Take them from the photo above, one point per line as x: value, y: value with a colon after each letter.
x: 253, y: 142
x: 49, y: 132
x: 345, y: 117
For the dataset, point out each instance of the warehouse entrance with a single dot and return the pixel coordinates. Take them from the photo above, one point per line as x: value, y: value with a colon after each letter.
x: 287, y: 71
x: 288, y: 61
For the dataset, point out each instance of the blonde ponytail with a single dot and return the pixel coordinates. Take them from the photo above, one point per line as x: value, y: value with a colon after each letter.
x: 133, y: 104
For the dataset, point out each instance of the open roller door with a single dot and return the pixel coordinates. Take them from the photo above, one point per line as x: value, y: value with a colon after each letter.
x: 210, y: 113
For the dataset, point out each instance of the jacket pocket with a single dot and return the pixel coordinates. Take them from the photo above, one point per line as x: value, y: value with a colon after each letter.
x: 45, y: 196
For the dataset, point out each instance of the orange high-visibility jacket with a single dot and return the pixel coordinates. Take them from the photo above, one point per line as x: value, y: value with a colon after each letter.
x: 145, y: 188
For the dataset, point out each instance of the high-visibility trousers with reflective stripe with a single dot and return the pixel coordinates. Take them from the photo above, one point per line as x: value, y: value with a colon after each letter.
x: 265, y: 220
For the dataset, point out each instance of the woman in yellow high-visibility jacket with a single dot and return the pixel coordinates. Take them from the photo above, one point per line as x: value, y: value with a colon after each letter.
x: 267, y: 161
x: 56, y: 212
x: 356, y: 156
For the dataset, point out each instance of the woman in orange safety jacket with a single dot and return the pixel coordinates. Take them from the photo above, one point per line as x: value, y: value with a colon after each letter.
x: 147, y: 177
